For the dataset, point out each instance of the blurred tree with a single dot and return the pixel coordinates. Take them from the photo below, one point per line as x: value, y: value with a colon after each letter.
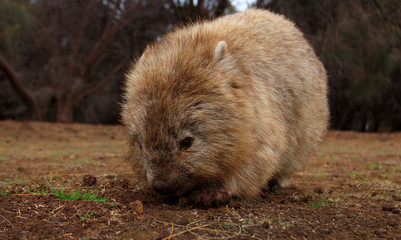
x: 16, y: 22
x: 190, y: 11
x: 359, y: 43
x: 17, y: 18
x: 19, y: 87
x: 77, y: 44
x: 80, y: 49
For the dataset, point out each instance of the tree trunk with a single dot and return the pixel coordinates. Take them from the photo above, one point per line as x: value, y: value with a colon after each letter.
x: 22, y: 92
x: 65, y: 109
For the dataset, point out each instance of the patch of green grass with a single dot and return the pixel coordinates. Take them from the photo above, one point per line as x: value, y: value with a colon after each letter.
x: 57, y: 156
x: 41, y: 191
x: 283, y: 223
x: 241, y: 201
x: 355, y: 158
x: 329, y: 158
x: 352, y: 204
x: 384, y: 175
x: 395, y: 169
x: 383, y: 183
x: 57, y: 178
x: 320, y: 174
x: 245, y: 201
x: 334, y: 158
x: 11, y: 181
x: 279, y: 191
x: 286, y: 224
x: 355, y: 174
x: 396, y: 195
x: 4, y: 158
x: 76, y: 194
x: 4, y: 191
x: 82, y: 162
x: 381, y: 196
x: 248, y: 221
x: 374, y: 166
x: 86, y: 216
x: 322, y: 202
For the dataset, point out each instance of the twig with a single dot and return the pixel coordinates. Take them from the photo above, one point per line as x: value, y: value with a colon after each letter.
x: 7, y: 220
x: 187, y: 230
x: 53, y: 212
x: 119, y: 164
x: 159, y: 221
x: 223, y: 230
x: 172, y: 230
x: 27, y: 194
x: 201, y: 227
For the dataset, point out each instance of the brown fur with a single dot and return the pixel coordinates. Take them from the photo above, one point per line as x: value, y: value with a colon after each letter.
x: 247, y: 88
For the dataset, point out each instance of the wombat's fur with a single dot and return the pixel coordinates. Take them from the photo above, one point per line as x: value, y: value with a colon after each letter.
x: 218, y: 109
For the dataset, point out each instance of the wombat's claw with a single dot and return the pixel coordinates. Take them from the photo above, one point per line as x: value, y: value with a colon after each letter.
x: 205, y: 198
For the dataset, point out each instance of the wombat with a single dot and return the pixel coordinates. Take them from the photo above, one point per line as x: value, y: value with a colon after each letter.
x: 217, y: 109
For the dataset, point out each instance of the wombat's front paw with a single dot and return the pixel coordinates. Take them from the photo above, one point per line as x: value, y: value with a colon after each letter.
x: 208, y: 198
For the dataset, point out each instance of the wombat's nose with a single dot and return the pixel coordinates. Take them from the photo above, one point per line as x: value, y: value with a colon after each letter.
x: 162, y: 187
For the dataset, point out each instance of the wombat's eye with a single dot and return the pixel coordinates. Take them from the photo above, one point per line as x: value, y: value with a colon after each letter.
x: 186, y: 143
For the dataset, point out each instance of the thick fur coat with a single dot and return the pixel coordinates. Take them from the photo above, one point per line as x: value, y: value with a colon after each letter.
x: 220, y: 108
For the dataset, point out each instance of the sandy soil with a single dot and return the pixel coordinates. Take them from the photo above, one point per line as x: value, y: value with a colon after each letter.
x: 350, y: 189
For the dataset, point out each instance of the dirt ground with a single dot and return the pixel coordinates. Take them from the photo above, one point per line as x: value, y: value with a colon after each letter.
x: 349, y: 189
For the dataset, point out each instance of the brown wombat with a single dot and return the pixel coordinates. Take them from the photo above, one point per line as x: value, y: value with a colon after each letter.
x: 218, y: 109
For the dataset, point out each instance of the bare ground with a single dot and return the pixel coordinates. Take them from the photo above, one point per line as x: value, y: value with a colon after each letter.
x: 349, y: 189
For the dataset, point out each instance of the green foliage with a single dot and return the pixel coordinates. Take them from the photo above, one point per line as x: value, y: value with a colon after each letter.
x: 56, y: 43
x: 368, y: 52
x: 363, y: 50
x: 241, y: 201
x: 17, y: 21
x: 322, y: 202
x: 359, y: 43
x: 86, y: 216
x: 76, y: 194
x: 4, y: 191
x: 374, y: 166
x: 355, y: 174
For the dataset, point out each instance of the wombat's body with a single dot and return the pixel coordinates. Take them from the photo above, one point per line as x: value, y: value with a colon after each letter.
x: 218, y: 109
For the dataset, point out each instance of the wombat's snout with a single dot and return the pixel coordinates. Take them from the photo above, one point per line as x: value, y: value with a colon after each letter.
x: 161, y: 186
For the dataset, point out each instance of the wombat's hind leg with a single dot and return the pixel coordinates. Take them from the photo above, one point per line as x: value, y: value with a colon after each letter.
x: 282, y: 180
x: 271, y: 185
x: 285, y: 179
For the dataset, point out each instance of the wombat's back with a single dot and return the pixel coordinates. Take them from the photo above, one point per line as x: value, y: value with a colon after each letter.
x: 289, y: 80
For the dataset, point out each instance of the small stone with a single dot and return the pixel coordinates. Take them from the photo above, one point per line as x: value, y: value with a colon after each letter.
x: 137, y: 207
x: 318, y: 191
x: 89, y: 180
x: 390, y: 208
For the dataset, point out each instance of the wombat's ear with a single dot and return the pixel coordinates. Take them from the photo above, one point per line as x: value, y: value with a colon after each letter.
x: 220, y: 51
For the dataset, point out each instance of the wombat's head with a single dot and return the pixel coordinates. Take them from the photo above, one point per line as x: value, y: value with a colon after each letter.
x: 182, y: 110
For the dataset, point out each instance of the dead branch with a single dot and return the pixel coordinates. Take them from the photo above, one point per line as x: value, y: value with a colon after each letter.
x: 19, y: 87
